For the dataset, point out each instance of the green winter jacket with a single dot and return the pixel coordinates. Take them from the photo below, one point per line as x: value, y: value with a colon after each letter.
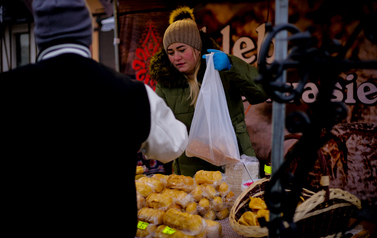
x: 172, y: 86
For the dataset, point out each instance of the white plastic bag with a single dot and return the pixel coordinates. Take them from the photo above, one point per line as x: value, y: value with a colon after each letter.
x: 212, y: 137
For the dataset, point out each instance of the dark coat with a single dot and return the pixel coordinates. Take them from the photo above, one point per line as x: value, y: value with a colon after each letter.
x: 172, y: 86
x: 70, y: 132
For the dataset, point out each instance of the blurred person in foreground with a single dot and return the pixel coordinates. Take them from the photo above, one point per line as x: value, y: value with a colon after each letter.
x: 71, y: 129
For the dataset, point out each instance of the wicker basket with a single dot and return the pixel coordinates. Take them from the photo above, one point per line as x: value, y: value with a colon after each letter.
x: 314, y: 218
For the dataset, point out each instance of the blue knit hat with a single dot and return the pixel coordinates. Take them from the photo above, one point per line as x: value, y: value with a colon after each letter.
x: 67, y: 21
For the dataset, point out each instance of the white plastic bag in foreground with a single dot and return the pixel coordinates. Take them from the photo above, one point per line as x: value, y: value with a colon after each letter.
x: 212, y: 137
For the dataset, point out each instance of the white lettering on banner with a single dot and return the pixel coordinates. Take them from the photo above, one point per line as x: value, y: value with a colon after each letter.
x: 350, y: 89
x: 345, y: 90
x: 240, y: 51
x: 261, y: 30
x: 310, y: 93
x: 245, y: 45
x: 349, y: 93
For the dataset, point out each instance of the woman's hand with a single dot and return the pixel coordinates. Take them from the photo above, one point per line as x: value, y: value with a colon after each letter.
x: 220, y: 60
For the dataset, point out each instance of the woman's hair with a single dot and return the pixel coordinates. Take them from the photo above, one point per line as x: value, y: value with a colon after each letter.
x: 193, y: 83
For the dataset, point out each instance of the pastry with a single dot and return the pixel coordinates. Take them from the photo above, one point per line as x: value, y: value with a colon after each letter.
x: 147, y: 232
x: 187, y: 223
x: 229, y: 199
x: 139, y: 169
x: 150, y: 215
x: 222, y: 214
x: 248, y: 219
x: 210, y: 215
x: 208, y: 191
x: 159, y: 201
x: 197, y: 193
x: 264, y: 213
x: 208, y: 177
x: 161, y: 177
x: 203, y: 206
x: 217, y: 204
x: 179, y: 197
x: 140, y: 202
x: 138, y: 176
x: 181, y: 182
x: 176, y: 234
x: 223, y: 189
x: 192, y: 208
x: 157, y: 185
x: 214, y: 229
x: 177, y: 207
x: 201, y: 235
x: 143, y: 189
x: 257, y: 203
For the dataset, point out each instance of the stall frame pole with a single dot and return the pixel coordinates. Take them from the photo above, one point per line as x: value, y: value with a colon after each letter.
x: 278, y: 109
x: 116, y: 37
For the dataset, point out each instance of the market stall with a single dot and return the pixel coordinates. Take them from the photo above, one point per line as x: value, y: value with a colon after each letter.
x: 205, y: 206
x: 340, y: 178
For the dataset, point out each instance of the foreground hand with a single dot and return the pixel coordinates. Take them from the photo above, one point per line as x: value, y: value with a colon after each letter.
x: 220, y: 60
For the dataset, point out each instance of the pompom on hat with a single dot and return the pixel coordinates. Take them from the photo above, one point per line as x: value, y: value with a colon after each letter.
x: 67, y: 21
x: 182, y: 29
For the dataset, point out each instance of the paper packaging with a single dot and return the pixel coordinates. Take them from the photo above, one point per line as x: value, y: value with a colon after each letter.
x: 235, y: 173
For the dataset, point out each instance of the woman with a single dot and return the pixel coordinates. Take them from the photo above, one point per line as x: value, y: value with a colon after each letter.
x: 179, y: 70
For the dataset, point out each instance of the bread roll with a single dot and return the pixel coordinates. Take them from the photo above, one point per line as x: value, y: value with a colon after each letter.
x: 179, y: 197
x: 147, y: 232
x: 139, y: 169
x: 222, y: 214
x: 197, y: 193
x: 177, y: 234
x: 203, y: 206
x: 161, y: 177
x: 208, y: 177
x: 181, y: 182
x: 187, y: 223
x: 218, y: 204
x: 223, y: 189
x: 204, y: 191
x: 229, y: 199
x: 140, y: 202
x: 214, y: 229
x: 201, y: 235
x: 177, y: 207
x: 138, y: 176
x: 143, y: 189
x: 159, y: 201
x: 208, y: 191
x: 157, y: 185
x: 210, y: 215
x: 150, y: 215
x: 192, y: 208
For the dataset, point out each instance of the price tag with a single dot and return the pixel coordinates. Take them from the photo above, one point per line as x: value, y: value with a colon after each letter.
x: 267, y: 169
x: 168, y: 230
x: 142, y: 225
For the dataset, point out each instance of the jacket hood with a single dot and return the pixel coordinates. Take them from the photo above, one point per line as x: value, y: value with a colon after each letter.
x: 165, y: 74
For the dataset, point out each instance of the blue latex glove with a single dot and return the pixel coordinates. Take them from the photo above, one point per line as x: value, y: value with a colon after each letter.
x: 220, y: 60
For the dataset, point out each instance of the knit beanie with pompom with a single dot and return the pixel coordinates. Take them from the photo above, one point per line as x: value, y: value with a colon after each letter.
x: 182, y: 29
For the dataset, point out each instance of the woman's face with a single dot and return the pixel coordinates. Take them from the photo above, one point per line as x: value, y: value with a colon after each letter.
x: 183, y: 57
